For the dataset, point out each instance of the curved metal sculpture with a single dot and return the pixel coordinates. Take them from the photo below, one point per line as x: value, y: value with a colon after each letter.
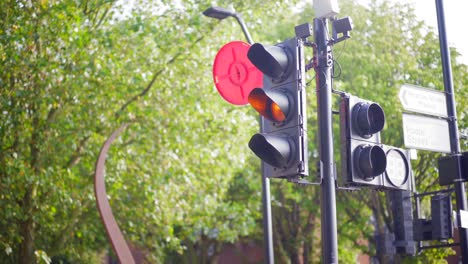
x: 120, y: 246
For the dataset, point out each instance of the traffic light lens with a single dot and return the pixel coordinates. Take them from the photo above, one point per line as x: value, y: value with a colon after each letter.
x: 274, y: 150
x: 261, y: 102
x: 370, y: 160
x: 276, y: 112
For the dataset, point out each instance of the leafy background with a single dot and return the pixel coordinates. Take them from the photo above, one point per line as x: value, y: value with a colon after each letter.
x: 181, y: 181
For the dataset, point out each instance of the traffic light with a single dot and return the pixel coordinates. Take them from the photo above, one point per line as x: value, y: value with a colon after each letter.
x: 282, y: 143
x: 365, y: 161
x: 440, y: 226
x: 363, y: 157
x: 453, y: 168
x: 403, y: 225
x: 441, y: 213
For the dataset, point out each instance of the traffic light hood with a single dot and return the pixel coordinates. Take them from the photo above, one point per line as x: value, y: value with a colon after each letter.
x: 274, y: 150
x: 271, y: 60
x: 369, y: 118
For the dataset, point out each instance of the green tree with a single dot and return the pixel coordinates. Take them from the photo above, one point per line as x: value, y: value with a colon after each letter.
x: 73, y: 72
x: 44, y: 131
x: 181, y: 179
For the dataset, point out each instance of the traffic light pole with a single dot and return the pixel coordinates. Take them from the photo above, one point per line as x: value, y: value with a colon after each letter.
x: 460, y: 192
x: 324, y: 116
x: 266, y: 201
x: 222, y: 13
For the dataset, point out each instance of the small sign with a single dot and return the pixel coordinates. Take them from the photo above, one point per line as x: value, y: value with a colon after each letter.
x: 397, y: 170
x: 463, y: 219
x: 426, y: 133
x: 423, y: 100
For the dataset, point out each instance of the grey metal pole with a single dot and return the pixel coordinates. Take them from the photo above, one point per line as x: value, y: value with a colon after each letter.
x: 460, y: 193
x: 244, y: 28
x: 324, y: 115
x: 222, y: 13
x: 267, y: 223
x: 266, y: 197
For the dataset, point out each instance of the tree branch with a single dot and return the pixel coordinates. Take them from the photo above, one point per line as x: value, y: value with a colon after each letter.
x: 153, y: 80
x: 75, y: 157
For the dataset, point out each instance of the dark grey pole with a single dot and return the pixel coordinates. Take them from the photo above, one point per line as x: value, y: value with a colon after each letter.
x: 267, y: 224
x: 324, y: 115
x: 460, y: 193
x: 244, y: 28
x: 221, y: 13
x: 266, y: 201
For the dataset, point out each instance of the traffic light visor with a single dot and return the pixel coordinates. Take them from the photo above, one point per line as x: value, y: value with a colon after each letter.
x: 273, y: 105
x: 273, y: 150
x: 271, y: 60
x: 371, y: 161
x: 369, y: 118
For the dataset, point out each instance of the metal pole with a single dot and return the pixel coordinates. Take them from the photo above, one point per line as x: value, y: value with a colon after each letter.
x: 267, y: 224
x: 244, y: 28
x: 460, y: 193
x: 221, y: 13
x: 324, y: 115
x: 266, y: 200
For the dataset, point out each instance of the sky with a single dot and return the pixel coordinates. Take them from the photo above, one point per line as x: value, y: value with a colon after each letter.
x: 454, y: 11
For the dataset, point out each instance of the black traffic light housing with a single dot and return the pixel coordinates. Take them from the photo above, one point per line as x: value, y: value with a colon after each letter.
x: 402, y: 211
x: 440, y: 226
x: 441, y: 216
x: 453, y: 168
x: 282, y: 143
x: 365, y: 161
x: 363, y: 157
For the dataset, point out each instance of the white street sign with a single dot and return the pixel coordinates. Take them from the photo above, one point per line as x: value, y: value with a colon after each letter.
x: 423, y: 100
x: 426, y: 133
x: 463, y: 218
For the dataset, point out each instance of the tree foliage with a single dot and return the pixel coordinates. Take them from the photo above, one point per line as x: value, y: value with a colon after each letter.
x: 181, y: 180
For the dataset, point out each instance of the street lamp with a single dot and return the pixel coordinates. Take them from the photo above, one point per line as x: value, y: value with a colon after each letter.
x: 222, y: 13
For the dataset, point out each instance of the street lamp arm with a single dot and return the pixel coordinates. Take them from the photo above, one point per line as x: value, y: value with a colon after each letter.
x: 244, y: 28
x: 222, y: 13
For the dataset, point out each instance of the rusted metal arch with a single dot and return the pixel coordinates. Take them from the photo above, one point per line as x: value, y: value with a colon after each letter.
x: 120, y: 246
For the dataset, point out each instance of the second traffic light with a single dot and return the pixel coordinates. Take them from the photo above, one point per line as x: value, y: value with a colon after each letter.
x: 365, y: 161
x: 363, y: 157
x: 282, y: 143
